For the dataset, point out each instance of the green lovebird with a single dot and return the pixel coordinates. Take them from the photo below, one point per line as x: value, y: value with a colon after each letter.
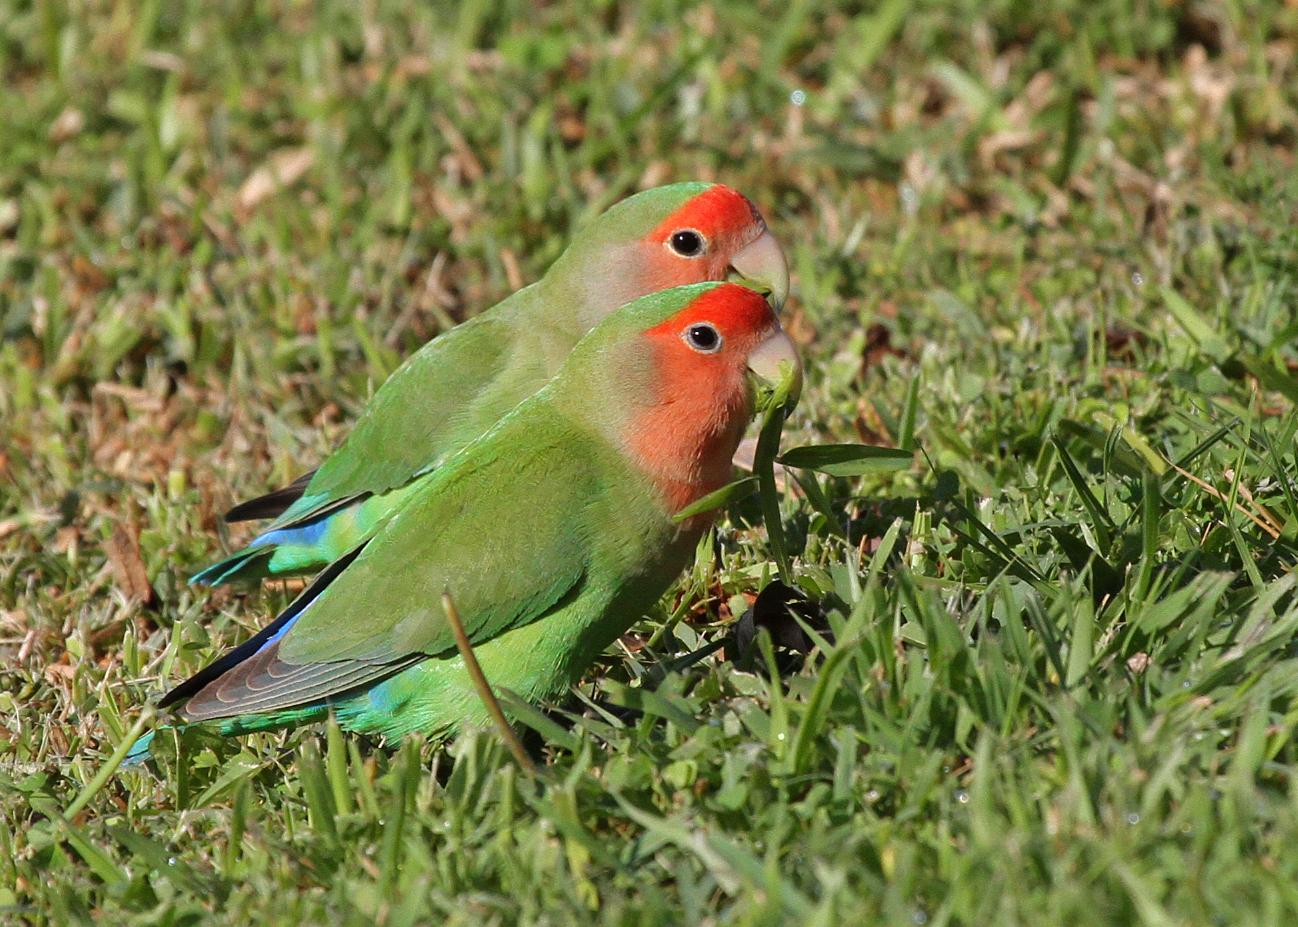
x: 553, y: 533
x: 461, y: 383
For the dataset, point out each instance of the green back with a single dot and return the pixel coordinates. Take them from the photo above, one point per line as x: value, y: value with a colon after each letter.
x: 464, y: 381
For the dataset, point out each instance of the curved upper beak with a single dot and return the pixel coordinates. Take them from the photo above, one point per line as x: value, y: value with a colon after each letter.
x: 762, y: 264
x: 776, y: 358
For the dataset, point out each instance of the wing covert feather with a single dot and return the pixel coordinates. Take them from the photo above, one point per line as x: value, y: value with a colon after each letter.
x: 503, y: 528
x: 406, y: 426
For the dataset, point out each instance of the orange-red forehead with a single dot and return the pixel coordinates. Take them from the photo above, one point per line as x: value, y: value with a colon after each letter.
x: 714, y: 211
x: 734, y: 309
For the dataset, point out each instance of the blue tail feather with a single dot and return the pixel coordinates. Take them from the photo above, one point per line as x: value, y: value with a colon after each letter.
x: 139, y: 751
x: 254, y: 562
x: 249, y: 563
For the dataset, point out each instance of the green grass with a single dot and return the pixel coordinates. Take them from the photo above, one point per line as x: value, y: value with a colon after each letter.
x: 1054, y: 245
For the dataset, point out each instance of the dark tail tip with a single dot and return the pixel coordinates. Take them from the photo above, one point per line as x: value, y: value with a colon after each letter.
x: 271, y: 505
x: 250, y: 565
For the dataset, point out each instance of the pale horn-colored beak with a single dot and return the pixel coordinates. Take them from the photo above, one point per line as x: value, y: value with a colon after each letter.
x: 762, y: 265
x: 772, y: 358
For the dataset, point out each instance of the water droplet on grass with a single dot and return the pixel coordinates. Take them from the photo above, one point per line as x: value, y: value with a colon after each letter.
x: 909, y: 198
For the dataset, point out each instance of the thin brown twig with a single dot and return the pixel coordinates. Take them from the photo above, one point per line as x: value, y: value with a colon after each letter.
x: 1221, y: 496
x: 484, y: 688
x: 1261, y: 509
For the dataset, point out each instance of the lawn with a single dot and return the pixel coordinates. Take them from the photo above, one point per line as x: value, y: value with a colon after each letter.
x: 1052, y: 247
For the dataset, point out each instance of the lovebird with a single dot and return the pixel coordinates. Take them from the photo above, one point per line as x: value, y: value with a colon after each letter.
x: 553, y: 533
x: 462, y: 382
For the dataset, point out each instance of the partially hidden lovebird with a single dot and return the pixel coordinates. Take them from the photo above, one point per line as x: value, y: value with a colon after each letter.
x: 553, y: 533
x: 462, y: 382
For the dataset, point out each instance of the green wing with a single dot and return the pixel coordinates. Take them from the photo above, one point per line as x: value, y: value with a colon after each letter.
x: 412, y: 422
x: 502, y: 528
x: 449, y: 393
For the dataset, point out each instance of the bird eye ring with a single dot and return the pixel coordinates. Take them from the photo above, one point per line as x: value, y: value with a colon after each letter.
x: 687, y: 243
x: 703, y: 337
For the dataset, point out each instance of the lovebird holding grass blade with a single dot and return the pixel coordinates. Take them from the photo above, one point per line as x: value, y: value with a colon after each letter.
x: 554, y: 533
x: 461, y: 383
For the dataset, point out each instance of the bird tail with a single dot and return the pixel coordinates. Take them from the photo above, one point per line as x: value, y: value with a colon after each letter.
x: 273, y: 504
x: 299, y: 548
x: 140, y: 753
x: 249, y: 565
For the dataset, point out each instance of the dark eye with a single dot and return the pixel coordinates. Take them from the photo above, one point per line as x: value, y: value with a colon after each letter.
x: 687, y: 243
x: 703, y: 338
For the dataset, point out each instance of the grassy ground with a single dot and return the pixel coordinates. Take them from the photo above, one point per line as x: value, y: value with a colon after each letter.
x: 1055, y: 242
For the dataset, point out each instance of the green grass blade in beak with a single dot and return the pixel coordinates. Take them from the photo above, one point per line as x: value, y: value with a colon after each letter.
x: 775, y: 362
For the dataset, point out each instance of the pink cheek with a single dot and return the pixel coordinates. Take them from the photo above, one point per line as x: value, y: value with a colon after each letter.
x: 669, y: 270
x: 711, y: 267
x: 695, y: 270
x: 698, y: 270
